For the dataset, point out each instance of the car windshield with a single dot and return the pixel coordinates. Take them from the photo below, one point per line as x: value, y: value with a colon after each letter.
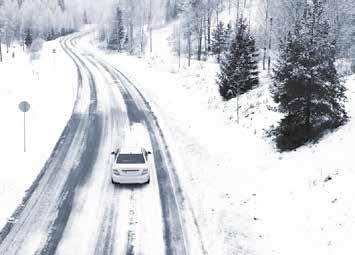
x: 130, y: 159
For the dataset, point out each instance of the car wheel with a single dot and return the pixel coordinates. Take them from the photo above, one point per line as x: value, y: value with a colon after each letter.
x: 112, y: 181
x: 148, y: 181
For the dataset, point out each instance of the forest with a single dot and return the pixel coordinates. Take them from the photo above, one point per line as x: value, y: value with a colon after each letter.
x: 298, y: 42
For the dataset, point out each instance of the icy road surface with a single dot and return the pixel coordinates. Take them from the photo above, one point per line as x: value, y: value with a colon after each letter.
x: 72, y: 207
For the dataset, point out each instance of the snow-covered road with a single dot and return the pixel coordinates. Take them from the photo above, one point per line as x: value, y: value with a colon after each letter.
x: 72, y: 208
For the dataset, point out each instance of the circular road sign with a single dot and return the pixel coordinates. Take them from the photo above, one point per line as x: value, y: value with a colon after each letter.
x: 24, y: 106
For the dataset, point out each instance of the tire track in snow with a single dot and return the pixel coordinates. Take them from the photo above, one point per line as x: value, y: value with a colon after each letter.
x: 105, y: 243
x: 78, y: 175
x: 37, y: 208
x: 173, y: 177
x: 174, y: 235
x: 131, y: 233
x: 107, y: 236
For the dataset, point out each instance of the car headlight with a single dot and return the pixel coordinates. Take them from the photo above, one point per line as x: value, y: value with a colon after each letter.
x: 116, y: 172
x: 145, y: 171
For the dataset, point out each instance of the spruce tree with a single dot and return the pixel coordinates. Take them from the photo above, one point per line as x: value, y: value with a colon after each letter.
x: 85, y: 18
x: 218, y: 41
x: 306, y: 83
x: 28, y: 38
x: 117, y: 35
x: 239, y: 70
x: 228, y: 35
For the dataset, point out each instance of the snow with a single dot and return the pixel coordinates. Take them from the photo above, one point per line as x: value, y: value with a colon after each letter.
x: 247, y: 197
x: 48, y: 84
x: 137, y: 136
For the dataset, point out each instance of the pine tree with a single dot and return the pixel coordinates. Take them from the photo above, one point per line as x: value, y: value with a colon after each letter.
x: 218, y: 41
x: 228, y: 35
x: 117, y: 35
x: 239, y: 70
x: 85, y: 18
x: 306, y: 84
x: 28, y: 38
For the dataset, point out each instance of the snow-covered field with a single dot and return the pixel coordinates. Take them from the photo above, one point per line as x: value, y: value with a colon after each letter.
x: 248, y: 198
x: 48, y: 83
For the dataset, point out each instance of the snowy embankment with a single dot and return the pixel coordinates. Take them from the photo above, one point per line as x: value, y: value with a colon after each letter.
x: 248, y: 198
x: 48, y: 83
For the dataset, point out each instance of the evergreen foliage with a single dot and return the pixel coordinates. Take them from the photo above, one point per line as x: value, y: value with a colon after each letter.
x: 218, y: 41
x: 28, y: 38
x: 85, y: 18
x: 117, y: 36
x: 306, y: 83
x: 239, y: 70
x: 228, y: 35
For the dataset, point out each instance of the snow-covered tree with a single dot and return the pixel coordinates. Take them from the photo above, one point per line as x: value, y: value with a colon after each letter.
x: 28, y: 38
x: 239, y: 70
x: 117, y: 36
x: 306, y: 84
x: 85, y: 17
x: 218, y: 40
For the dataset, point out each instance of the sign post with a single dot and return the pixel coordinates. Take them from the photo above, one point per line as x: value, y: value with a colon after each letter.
x: 24, y: 107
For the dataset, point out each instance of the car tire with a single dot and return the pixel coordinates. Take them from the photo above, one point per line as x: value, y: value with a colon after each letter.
x: 112, y: 181
x: 148, y: 181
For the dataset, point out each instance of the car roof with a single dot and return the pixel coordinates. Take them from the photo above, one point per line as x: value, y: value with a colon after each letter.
x: 130, y: 150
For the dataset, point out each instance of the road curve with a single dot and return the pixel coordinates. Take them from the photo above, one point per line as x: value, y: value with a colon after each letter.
x: 72, y: 207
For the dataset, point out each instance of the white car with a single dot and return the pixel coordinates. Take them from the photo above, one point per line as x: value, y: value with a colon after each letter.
x: 130, y: 166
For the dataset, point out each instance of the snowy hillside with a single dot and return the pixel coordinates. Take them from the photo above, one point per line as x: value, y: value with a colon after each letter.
x: 248, y: 198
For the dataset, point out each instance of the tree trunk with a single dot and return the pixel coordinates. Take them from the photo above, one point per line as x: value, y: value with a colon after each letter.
x: 217, y: 13
x: 199, y: 44
x: 131, y: 33
x: 0, y: 51
x: 205, y: 34
x: 189, y: 47
x: 270, y: 44
x: 142, y: 30
x: 209, y: 30
x: 308, y: 110
x: 179, y: 47
x: 266, y: 32
x: 238, y: 10
x: 150, y: 18
x: 167, y: 14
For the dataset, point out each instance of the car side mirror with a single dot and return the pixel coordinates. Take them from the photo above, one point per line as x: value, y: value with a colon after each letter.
x: 149, y: 152
x: 113, y: 153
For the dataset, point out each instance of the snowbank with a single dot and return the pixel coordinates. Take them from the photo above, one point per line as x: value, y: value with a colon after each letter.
x: 48, y: 84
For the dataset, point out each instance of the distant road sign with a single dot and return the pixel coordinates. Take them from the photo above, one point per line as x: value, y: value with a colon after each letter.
x: 24, y: 106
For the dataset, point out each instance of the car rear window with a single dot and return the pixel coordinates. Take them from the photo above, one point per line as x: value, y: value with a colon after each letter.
x: 130, y: 159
